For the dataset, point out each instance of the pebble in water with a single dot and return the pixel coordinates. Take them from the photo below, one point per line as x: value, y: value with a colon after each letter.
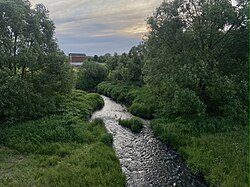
x: 145, y: 160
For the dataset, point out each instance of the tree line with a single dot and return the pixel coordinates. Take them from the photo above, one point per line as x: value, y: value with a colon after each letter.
x: 194, y: 59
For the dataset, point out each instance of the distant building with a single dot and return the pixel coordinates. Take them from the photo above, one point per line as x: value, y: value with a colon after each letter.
x: 77, y: 59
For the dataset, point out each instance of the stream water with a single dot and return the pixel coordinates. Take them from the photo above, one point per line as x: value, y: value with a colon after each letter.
x: 145, y: 160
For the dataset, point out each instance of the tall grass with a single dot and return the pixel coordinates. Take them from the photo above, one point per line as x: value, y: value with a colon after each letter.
x: 138, y: 99
x: 60, y: 150
x: 135, y: 124
x: 218, y: 153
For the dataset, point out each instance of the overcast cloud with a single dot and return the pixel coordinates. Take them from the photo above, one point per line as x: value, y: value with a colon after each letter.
x: 99, y: 26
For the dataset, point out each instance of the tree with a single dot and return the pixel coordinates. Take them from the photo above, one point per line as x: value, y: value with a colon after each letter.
x: 191, y: 46
x: 30, y: 58
x: 95, y: 58
x: 127, y: 67
x: 90, y: 74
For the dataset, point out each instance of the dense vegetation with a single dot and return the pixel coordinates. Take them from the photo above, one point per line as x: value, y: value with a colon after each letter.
x: 45, y: 136
x: 60, y: 150
x: 90, y: 74
x: 193, y: 48
x: 139, y: 99
x: 211, y: 147
x: 34, y: 72
x: 135, y: 124
x: 191, y: 74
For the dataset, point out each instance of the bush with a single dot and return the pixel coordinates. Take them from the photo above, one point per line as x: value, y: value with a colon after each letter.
x: 135, y: 124
x: 80, y: 104
x: 142, y: 110
x: 117, y: 91
x: 140, y: 99
x: 171, y: 132
x: 19, y: 100
x: 23, y: 98
x: 187, y: 102
x: 107, y: 139
x: 89, y: 75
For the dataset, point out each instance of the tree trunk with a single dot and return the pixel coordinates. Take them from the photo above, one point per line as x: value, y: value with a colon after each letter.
x: 14, y: 52
x: 23, y: 71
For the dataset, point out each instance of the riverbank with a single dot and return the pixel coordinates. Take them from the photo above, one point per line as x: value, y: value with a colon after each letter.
x: 213, y: 147
x: 60, y: 150
x: 144, y: 159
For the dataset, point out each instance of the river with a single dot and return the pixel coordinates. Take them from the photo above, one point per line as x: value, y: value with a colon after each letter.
x: 144, y: 159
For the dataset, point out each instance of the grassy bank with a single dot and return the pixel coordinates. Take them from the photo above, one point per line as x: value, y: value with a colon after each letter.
x: 138, y: 99
x: 60, y: 150
x: 212, y: 147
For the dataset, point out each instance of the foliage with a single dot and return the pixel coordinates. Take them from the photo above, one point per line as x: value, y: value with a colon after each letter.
x: 34, y: 73
x: 142, y: 102
x: 126, y: 67
x: 80, y: 104
x: 89, y: 75
x: 118, y: 92
x: 139, y: 99
x: 142, y: 110
x: 101, y: 58
x: 212, y: 147
x: 131, y: 95
x: 190, y: 60
x: 16, y: 98
x: 107, y: 139
x: 60, y: 150
x: 135, y: 124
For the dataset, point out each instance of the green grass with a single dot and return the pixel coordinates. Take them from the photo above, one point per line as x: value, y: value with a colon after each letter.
x: 116, y: 91
x: 213, y: 147
x: 138, y: 99
x: 135, y: 124
x: 80, y: 104
x: 221, y: 155
x: 60, y: 150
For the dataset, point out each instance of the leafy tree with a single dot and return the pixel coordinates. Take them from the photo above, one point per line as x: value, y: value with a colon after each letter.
x: 90, y: 74
x: 127, y: 67
x: 112, y: 62
x: 192, y: 47
x: 31, y: 60
x: 95, y: 58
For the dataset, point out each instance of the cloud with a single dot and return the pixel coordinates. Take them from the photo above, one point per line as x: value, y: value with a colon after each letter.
x: 98, y: 22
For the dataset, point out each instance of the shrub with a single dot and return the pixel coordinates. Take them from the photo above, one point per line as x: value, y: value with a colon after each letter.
x: 80, y: 104
x: 142, y: 110
x: 125, y: 123
x: 89, y: 75
x: 107, y: 139
x: 171, y: 132
x: 96, y: 100
x: 135, y: 124
x: 186, y: 101
x: 19, y: 100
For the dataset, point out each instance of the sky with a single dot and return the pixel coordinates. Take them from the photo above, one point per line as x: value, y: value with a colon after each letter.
x: 99, y: 26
